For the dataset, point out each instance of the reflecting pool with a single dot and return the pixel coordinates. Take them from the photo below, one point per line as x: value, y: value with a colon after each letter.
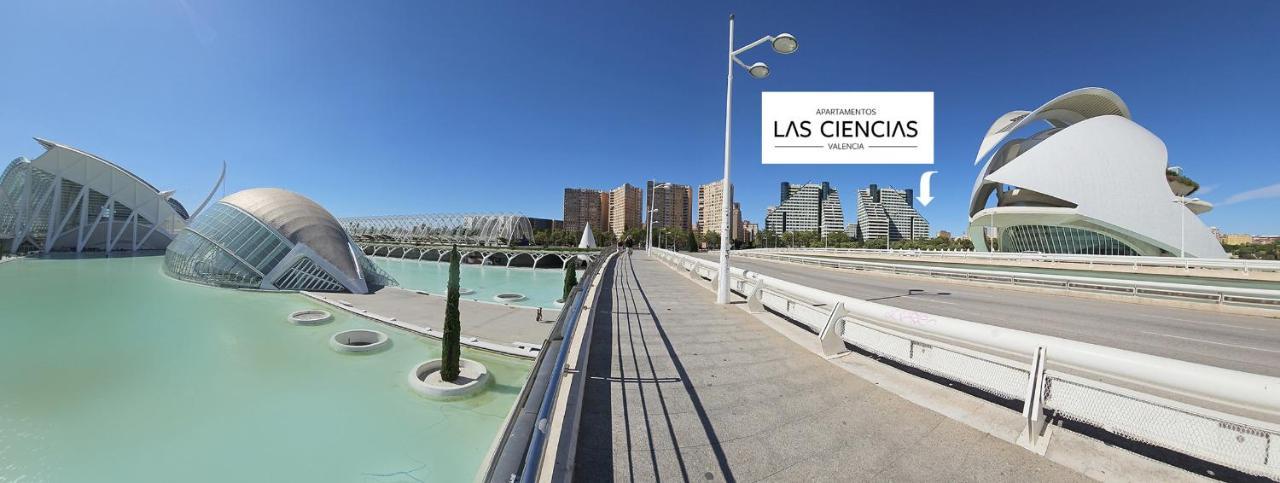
x: 112, y: 371
x: 542, y: 286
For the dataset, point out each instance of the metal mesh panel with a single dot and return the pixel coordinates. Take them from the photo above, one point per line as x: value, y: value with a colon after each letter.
x: 1151, y: 420
x: 306, y: 275
x: 993, y: 376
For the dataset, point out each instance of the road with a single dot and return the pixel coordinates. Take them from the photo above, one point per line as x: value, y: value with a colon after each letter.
x: 1240, y: 342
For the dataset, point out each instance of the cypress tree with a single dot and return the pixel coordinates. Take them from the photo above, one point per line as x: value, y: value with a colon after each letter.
x: 452, y: 322
x: 570, y: 278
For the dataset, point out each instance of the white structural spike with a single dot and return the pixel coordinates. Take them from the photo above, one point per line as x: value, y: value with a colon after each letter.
x: 588, y: 240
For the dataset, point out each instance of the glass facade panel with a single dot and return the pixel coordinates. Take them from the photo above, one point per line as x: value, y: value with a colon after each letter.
x: 226, y: 247
x: 1060, y: 239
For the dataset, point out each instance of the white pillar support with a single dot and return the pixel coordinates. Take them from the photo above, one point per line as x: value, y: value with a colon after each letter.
x: 754, y: 304
x: 830, y: 337
x: 1035, y: 434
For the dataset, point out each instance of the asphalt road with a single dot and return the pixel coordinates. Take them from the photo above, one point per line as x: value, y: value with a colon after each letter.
x: 1240, y: 342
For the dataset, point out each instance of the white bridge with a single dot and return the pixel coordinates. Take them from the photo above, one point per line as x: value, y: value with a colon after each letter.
x: 485, y: 255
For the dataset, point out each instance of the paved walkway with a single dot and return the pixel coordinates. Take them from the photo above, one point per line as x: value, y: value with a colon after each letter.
x: 681, y: 389
x: 502, y: 326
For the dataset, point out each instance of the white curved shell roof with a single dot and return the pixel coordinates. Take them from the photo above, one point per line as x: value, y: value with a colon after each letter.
x: 1062, y: 111
x: 1094, y: 157
x: 299, y: 220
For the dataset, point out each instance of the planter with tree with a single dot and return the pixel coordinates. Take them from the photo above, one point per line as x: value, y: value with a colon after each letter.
x: 450, y: 376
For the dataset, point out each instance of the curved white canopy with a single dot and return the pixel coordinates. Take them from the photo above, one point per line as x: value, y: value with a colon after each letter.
x: 1062, y: 111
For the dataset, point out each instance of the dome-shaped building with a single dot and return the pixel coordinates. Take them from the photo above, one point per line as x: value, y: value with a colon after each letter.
x: 271, y: 239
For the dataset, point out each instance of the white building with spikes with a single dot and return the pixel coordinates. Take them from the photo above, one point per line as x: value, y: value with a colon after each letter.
x: 68, y: 200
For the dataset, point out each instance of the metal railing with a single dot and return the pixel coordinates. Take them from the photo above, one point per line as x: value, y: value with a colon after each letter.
x: 520, y: 444
x: 1206, y: 412
x: 1134, y: 262
x: 1264, y: 298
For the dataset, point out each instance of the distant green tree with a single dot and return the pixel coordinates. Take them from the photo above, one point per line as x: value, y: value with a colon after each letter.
x: 691, y: 241
x: 452, y: 322
x: 570, y: 278
x: 712, y: 240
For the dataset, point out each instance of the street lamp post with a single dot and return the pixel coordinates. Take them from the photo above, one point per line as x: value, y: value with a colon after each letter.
x: 1182, y: 224
x: 648, y: 239
x: 783, y: 43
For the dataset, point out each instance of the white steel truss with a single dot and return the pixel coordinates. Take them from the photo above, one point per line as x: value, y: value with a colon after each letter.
x: 487, y: 229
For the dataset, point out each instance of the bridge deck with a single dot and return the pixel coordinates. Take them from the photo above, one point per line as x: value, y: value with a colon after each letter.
x: 1247, y: 343
x: 681, y: 389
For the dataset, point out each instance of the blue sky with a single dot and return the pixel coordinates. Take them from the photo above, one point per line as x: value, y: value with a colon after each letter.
x: 406, y: 107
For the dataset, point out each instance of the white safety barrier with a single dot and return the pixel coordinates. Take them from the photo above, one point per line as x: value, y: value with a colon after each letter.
x: 1251, y: 297
x: 1245, y: 266
x: 1214, y: 416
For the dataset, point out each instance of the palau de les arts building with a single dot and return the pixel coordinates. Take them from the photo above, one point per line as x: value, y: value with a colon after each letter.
x: 67, y: 200
x: 1094, y: 182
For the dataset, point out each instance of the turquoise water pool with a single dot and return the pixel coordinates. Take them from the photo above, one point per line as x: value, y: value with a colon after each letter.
x: 111, y: 371
x: 542, y: 286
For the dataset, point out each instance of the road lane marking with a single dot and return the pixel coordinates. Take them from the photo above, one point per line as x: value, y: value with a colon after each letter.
x: 1151, y: 316
x: 1212, y: 342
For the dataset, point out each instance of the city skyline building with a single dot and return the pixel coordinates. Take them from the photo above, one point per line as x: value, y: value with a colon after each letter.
x: 891, y: 212
x: 710, y: 206
x: 805, y: 208
x: 583, y: 206
x: 735, y: 223
x: 625, y: 205
x: 674, y: 203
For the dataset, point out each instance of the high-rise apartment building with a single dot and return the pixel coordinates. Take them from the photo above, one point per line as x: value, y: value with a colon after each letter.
x: 890, y: 211
x: 674, y: 203
x: 736, y: 222
x: 710, y: 214
x: 806, y: 207
x: 749, y: 231
x: 582, y: 206
x: 625, y: 205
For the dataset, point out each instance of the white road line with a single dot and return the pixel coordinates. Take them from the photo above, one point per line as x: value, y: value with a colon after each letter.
x: 931, y: 299
x: 1161, y: 317
x: 1212, y: 342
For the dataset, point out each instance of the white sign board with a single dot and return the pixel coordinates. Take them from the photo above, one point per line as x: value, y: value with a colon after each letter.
x: 846, y: 127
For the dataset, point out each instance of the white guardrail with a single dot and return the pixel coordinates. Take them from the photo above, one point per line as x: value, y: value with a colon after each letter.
x: 1063, y: 376
x: 1245, y: 266
x: 1253, y: 297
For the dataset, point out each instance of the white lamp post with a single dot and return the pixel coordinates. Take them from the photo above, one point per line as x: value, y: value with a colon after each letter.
x: 648, y: 239
x: 783, y: 44
x: 1182, y: 224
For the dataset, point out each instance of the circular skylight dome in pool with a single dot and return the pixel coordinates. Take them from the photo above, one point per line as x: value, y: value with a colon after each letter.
x: 509, y: 297
x: 359, y: 340
x: 310, y: 317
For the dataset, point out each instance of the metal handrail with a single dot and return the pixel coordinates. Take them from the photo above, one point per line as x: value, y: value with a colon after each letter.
x: 1252, y: 296
x: 504, y: 464
x: 1226, y: 387
x: 1113, y: 260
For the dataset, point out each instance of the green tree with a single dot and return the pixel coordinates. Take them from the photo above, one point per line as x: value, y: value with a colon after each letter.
x: 712, y: 239
x: 570, y: 278
x: 452, y: 322
x: 691, y: 241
